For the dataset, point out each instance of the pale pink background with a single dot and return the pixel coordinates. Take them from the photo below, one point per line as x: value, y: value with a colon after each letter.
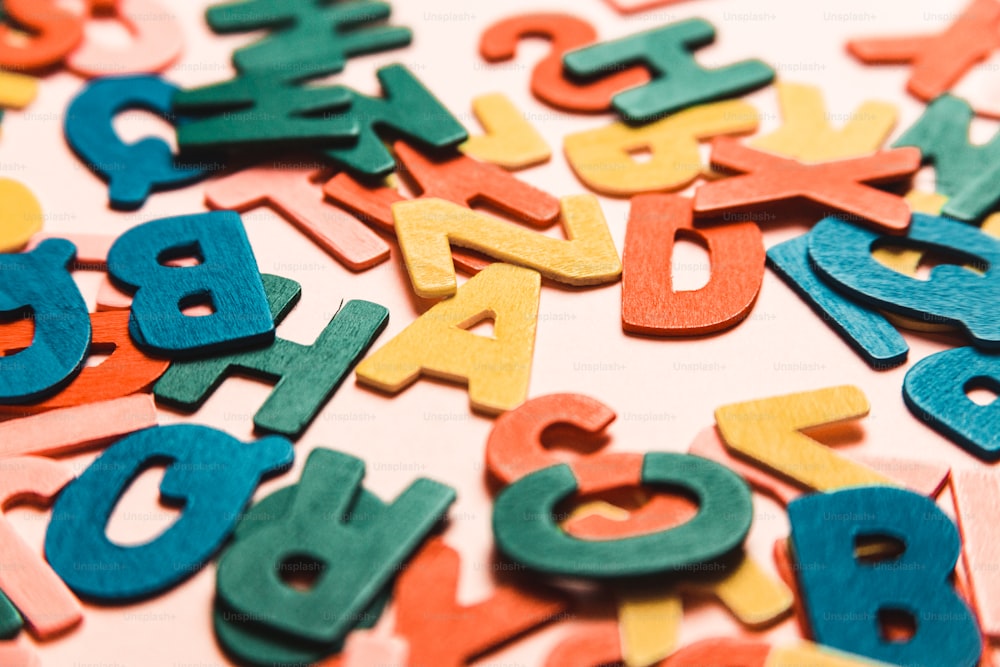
x: 429, y: 430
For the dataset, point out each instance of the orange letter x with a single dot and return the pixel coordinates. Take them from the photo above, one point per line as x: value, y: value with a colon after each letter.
x: 837, y: 184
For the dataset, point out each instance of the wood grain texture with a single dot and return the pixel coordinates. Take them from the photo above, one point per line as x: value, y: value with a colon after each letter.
x: 603, y: 158
x: 496, y: 369
x: 907, y: 260
x: 935, y: 390
x: 371, y: 202
x: 73, y: 429
x: 924, y: 477
x: 92, y: 255
x: 525, y: 531
x: 867, y: 331
x: 91, y: 249
x: 651, y: 306
x: 549, y: 83
x: 677, y: 80
x: 806, y: 133
x: 209, y: 473
x: 289, y: 190
x: 767, y: 431
x: 650, y: 614
x: 840, y: 185
x: 965, y: 172
x: 302, y: 33
x: 510, y: 140
x: 456, y: 178
x: 427, y: 228
x: 408, y: 109
x: 514, y: 447
x: 463, y: 180
x: 305, y: 377
x: 280, y: 99
x: 844, y: 595
x: 942, y: 135
x: 709, y: 444
x: 938, y: 60
x: 127, y: 369
x: 284, y: 109
x: 291, y: 193
x: 226, y: 275
x: 133, y: 171
x: 47, y: 605
x: 248, y: 639
x: 156, y: 42
x: 753, y: 596
x: 788, y: 568
x: 38, y: 283
x: 359, y: 562
x: 952, y: 294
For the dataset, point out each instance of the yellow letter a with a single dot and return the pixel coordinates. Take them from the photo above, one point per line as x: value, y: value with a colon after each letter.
x: 438, y: 344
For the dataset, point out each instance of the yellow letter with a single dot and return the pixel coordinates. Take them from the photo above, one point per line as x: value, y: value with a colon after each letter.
x: 602, y: 158
x: 425, y: 227
x: 767, y: 431
x: 438, y: 344
x: 510, y: 140
x: 807, y: 134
